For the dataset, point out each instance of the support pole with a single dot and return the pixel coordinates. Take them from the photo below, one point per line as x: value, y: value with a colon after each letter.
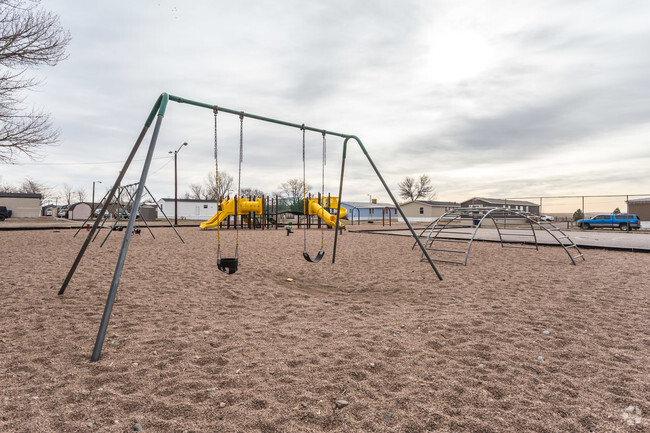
x: 399, y: 208
x: 87, y: 219
x: 99, y: 342
x: 110, y: 196
x: 164, y: 214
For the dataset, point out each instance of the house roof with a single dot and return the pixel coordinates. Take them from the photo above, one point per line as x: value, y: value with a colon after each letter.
x: 367, y: 205
x: 435, y: 203
x: 501, y: 202
x: 20, y: 195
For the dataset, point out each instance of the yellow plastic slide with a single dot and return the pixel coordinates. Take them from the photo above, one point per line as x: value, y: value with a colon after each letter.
x: 330, y: 220
x: 244, y: 207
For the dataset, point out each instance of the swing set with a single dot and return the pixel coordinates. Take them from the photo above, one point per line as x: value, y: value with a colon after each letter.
x: 228, y: 265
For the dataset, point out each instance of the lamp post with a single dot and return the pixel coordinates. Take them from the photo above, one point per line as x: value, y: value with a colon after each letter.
x: 93, y: 206
x: 175, y: 152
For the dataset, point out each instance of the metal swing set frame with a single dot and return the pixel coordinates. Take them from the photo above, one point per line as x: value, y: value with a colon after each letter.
x: 158, y: 113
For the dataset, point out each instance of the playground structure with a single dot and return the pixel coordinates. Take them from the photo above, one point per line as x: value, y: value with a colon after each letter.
x: 315, y: 208
x: 450, y: 237
x: 158, y: 112
x: 263, y: 213
x: 241, y: 206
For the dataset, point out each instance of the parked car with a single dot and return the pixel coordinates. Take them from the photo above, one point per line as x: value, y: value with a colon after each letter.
x: 63, y: 212
x: 546, y: 218
x: 621, y: 221
x: 4, y: 213
x: 106, y: 213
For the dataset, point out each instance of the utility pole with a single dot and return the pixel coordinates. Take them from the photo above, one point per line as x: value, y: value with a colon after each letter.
x: 176, y: 182
x: 93, y: 205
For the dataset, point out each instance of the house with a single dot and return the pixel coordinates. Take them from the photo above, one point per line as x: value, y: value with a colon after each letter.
x: 641, y: 208
x: 516, y: 205
x: 189, y: 209
x: 22, y: 205
x: 426, y: 210
x: 367, y: 211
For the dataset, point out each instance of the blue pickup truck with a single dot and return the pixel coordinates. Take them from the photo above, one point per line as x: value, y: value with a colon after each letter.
x: 621, y: 221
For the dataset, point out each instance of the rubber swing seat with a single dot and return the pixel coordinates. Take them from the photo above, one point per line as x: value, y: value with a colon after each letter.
x: 228, y: 265
x: 319, y: 256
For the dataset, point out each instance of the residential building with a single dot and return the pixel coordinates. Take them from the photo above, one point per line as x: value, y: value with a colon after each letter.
x: 369, y: 211
x: 189, y: 209
x: 426, y: 210
x: 517, y: 205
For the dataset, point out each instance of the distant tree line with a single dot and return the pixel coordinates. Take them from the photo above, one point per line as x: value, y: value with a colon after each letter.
x: 292, y: 190
x: 66, y: 195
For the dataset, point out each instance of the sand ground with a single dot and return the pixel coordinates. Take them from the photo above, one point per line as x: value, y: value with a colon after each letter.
x: 190, y: 349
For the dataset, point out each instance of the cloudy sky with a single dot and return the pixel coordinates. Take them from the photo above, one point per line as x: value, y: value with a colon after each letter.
x: 489, y: 98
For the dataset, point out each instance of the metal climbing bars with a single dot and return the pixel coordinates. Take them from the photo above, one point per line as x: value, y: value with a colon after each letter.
x: 450, y: 237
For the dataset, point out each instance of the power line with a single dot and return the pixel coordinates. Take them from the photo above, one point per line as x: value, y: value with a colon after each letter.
x: 80, y: 163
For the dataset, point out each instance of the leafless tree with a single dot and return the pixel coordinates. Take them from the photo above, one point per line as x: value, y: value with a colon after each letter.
x: 32, y: 186
x: 294, y: 190
x: 196, y: 192
x: 66, y: 193
x: 411, y: 189
x: 5, y: 187
x: 82, y: 194
x: 225, y: 185
x: 29, y: 37
x: 252, y: 192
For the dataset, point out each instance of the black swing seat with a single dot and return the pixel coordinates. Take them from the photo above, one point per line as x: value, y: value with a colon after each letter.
x: 228, y: 265
x: 319, y: 256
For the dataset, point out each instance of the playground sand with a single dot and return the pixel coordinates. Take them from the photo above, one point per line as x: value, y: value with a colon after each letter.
x: 191, y: 349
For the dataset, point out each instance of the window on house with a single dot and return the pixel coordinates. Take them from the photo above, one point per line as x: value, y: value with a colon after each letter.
x: 205, y: 206
x: 421, y: 210
x: 371, y: 211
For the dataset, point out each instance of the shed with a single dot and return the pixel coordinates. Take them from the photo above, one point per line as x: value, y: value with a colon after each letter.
x: 366, y: 211
x: 640, y: 207
x: 426, y: 210
x: 79, y: 211
x: 22, y: 205
x: 517, y: 205
x: 149, y: 211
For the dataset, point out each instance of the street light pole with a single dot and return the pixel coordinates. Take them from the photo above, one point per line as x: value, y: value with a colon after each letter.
x: 93, y: 206
x: 176, y: 182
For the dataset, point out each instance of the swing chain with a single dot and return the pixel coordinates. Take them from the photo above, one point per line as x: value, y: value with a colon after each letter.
x: 216, y: 178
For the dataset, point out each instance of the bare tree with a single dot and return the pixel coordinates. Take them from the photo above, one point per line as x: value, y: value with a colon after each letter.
x: 252, y: 192
x: 5, y: 187
x: 196, y: 192
x: 32, y: 186
x: 29, y: 37
x: 411, y: 189
x: 82, y: 194
x: 294, y: 190
x: 210, y: 186
x: 66, y: 193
